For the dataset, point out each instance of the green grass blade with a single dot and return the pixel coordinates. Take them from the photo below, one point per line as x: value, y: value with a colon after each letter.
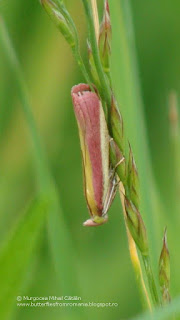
x: 170, y: 312
x: 127, y: 88
x: 59, y: 241
x: 63, y: 256
x: 17, y: 253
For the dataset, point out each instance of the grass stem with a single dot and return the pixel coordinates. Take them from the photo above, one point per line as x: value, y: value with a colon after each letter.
x: 81, y: 65
x: 175, y: 142
x: 105, y: 89
x: 96, y: 18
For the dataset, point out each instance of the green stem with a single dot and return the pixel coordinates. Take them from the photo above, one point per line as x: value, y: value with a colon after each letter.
x: 81, y: 65
x: 75, y: 49
x: 151, y: 281
x: 105, y: 90
x: 175, y: 143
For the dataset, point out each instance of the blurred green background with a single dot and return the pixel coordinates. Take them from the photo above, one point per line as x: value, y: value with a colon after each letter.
x: 100, y: 270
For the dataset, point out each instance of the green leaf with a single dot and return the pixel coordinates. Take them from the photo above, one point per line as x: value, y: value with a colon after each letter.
x: 16, y: 253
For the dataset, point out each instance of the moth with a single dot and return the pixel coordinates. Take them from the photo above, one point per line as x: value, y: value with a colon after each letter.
x: 100, y: 182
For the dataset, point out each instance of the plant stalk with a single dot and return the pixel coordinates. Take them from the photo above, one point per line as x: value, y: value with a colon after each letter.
x: 96, y: 18
x: 105, y: 90
x: 175, y: 142
x: 81, y: 65
x: 132, y: 247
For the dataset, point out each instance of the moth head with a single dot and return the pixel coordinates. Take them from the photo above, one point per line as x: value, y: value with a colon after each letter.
x: 95, y: 221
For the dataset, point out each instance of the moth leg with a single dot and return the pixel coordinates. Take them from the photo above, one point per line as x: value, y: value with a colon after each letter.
x: 113, y: 170
x: 119, y: 163
x: 113, y: 185
x: 110, y: 195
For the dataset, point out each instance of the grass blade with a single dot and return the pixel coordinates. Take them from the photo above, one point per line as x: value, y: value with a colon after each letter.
x: 127, y: 88
x: 170, y: 312
x: 17, y: 253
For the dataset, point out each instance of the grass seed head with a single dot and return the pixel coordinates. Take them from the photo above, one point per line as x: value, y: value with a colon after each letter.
x: 136, y: 226
x: 60, y: 21
x: 133, y: 179
x: 164, y: 270
x: 105, y: 36
x: 116, y: 123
